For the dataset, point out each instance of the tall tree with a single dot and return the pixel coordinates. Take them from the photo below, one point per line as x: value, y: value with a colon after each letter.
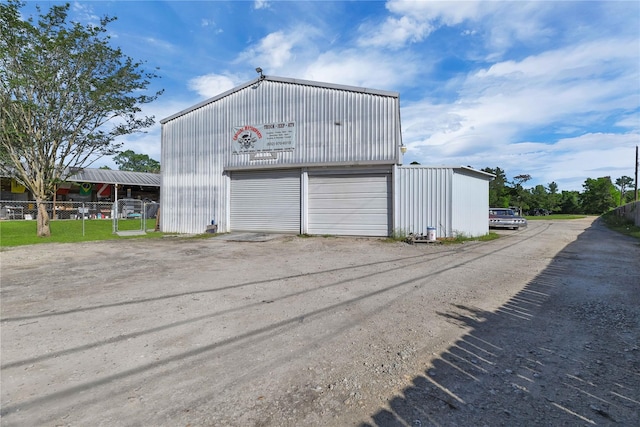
x: 553, y: 198
x: 519, y: 196
x: 539, y: 197
x: 623, y: 183
x: 597, y: 197
x: 498, y: 193
x: 570, y: 202
x: 65, y: 95
x: 130, y: 161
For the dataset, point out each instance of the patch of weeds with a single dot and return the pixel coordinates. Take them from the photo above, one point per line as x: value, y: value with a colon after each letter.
x: 203, y: 235
x: 621, y: 225
x: 397, y: 235
x: 461, y: 238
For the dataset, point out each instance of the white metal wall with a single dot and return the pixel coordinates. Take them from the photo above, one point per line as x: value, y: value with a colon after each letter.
x: 454, y: 200
x: 335, y: 125
x: 423, y: 199
x: 470, y: 215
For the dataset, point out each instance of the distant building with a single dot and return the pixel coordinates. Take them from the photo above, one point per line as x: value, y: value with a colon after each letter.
x: 93, y: 185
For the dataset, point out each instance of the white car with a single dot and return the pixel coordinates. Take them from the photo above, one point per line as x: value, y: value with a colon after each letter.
x: 505, y: 218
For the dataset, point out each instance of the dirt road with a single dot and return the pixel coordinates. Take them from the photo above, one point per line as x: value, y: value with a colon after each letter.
x: 539, y: 327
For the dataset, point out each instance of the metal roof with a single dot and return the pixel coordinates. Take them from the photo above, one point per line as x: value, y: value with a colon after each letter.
x: 109, y: 176
x: 468, y: 169
x: 258, y: 80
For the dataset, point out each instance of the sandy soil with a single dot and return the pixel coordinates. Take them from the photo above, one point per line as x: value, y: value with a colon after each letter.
x: 539, y: 327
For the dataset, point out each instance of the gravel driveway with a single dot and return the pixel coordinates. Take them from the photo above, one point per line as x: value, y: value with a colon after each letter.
x: 539, y: 327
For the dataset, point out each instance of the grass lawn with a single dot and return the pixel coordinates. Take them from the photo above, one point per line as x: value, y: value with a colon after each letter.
x: 17, y: 233
x: 554, y: 216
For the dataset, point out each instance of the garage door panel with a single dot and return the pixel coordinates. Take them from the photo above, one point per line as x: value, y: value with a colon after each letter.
x: 355, y: 205
x: 265, y: 201
x: 350, y: 204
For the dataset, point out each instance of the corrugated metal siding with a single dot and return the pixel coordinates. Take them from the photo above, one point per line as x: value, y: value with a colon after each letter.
x: 471, y: 201
x: 423, y: 198
x: 355, y: 204
x: 366, y: 129
x: 266, y: 201
x: 333, y: 126
x: 193, y: 182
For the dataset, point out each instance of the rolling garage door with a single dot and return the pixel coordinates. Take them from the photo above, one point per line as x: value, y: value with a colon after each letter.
x: 350, y: 205
x: 266, y: 201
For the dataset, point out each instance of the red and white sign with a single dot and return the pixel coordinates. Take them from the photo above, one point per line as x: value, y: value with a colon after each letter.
x: 104, y: 190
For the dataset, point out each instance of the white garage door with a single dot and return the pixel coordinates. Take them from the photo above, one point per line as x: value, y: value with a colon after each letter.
x: 349, y: 205
x: 266, y: 201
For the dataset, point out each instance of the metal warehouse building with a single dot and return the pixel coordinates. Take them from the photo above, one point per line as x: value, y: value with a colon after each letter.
x: 293, y: 156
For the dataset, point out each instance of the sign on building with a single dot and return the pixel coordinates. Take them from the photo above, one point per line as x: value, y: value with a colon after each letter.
x: 264, y: 138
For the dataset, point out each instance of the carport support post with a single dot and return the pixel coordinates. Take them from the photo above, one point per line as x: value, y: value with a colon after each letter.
x: 114, y: 209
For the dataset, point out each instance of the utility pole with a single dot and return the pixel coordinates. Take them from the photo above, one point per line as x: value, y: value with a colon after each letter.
x: 636, y: 180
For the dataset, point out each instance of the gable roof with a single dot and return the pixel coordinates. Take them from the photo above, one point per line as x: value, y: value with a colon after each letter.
x: 258, y: 80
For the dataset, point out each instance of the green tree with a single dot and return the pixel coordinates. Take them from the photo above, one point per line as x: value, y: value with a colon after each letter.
x: 498, y: 192
x: 131, y: 161
x: 623, y: 183
x: 569, y: 202
x: 539, y: 197
x: 65, y: 95
x: 520, y: 196
x: 553, y: 198
x: 598, y: 195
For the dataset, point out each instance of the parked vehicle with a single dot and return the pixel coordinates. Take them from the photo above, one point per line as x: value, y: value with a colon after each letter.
x: 505, y: 218
x: 539, y: 212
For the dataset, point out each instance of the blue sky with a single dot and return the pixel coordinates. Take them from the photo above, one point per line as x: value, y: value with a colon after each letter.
x: 545, y: 88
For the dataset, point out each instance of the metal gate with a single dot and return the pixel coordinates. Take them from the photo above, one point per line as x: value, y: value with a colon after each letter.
x: 130, y: 216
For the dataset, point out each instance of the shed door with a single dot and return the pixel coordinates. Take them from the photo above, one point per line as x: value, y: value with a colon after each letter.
x: 266, y: 201
x: 350, y: 205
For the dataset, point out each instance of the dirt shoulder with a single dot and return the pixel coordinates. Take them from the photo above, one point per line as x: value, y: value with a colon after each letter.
x: 538, y: 327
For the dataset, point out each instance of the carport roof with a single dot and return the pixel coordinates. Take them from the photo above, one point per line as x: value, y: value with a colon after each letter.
x: 109, y: 176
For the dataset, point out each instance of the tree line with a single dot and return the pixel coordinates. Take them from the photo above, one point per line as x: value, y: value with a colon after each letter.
x: 599, y: 195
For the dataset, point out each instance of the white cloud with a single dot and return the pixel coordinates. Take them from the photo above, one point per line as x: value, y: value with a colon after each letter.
x: 447, y: 12
x: 271, y: 52
x: 501, y: 24
x: 363, y: 69
x: 394, y: 32
x: 568, y: 162
x: 574, y: 89
x: 210, y: 85
x: 413, y: 21
x: 261, y: 4
x: 85, y: 13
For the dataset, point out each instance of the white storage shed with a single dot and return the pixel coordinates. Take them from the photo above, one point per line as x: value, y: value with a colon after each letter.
x: 288, y: 156
x: 453, y: 200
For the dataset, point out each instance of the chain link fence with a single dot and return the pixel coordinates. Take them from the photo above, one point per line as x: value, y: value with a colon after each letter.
x: 125, y: 214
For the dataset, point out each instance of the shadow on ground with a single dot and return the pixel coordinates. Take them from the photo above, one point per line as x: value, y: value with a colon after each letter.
x: 551, y: 355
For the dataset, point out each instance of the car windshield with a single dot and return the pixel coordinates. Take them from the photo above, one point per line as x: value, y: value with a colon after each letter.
x: 503, y: 212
